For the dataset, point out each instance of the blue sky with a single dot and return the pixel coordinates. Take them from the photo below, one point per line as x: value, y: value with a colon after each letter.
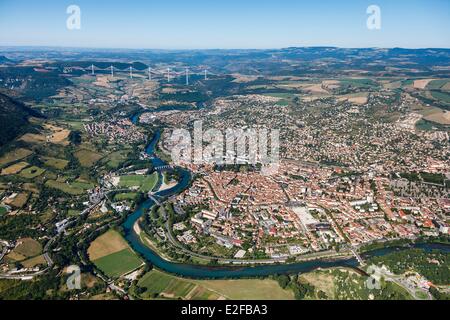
x: 189, y: 24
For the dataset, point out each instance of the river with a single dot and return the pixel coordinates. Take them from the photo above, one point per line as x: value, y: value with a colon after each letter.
x: 218, y: 272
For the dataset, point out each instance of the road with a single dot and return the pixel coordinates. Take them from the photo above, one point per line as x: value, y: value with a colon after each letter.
x: 178, y: 245
x: 400, y: 281
x: 358, y: 257
x: 46, y: 252
x: 4, y: 250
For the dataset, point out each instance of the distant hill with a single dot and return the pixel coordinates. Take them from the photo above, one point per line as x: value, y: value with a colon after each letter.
x: 14, y: 117
x: 4, y: 59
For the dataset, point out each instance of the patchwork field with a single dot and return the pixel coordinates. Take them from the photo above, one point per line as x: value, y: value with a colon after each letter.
x: 316, y: 89
x: 87, y: 158
x: 441, y: 96
x: 446, y: 87
x: 57, y: 135
x: 15, y: 155
x: 64, y: 187
x: 111, y: 254
x: 422, y: 84
x: 437, y: 84
x: 358, y: 83
x: 32, y: 262
x: 442, y: 117
x: 59, y: 164
x: 356, y: 98
x: 15, y: 168
x: 26, y: 248
x: 52, y: 134
x: 33, y: 138
x: 19, y: 200
x: 114, y: 159
x: 85, y: 185
x: 31, y: 172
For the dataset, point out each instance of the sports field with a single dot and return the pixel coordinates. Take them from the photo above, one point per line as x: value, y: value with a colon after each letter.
x: 119, y: 263
x: 145, y: 183
x: 111, y: 254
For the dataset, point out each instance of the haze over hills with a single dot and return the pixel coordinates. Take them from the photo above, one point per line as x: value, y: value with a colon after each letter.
x: 4, y: 59
x: 298, y: 61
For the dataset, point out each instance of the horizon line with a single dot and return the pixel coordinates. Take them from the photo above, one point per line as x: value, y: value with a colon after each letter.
x: 214, y: 49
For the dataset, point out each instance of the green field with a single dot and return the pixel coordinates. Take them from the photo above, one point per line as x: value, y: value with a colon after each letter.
x: 3, y: 211
x: 56, y: 163
x: 126, y: 196
x: 145, y: 183
x: 424, y: 125
x: 119, y: 263
x: 282, y: 103
x: 14, y: 155
x: 359, y: 83
x: 156, y: 282
x: 248, y: 289
x: 73, y: 213
x: 64, y: 187
x: 441, y: 96
x: 284, y: 95
x: 115, y: 159
x: 31, y: 172
x: 436, y: 84
x: 161, y: 284
x: 169, y: 286
x: 82, y: 185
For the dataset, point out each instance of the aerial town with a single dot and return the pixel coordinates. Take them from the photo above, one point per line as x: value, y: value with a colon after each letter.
x: 90, y: 180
